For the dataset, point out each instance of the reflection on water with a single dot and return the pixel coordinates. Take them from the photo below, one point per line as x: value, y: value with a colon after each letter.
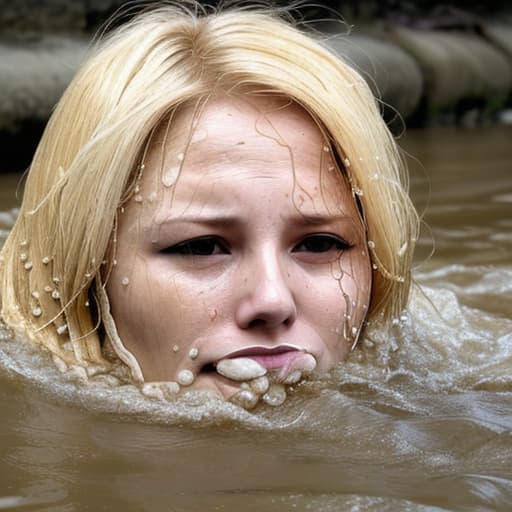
x: 419, y: 419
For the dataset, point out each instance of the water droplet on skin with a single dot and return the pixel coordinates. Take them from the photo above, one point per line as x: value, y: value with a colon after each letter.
x: 193, y: 353
x: 125, y: 281
x: 37, y: 312
x: 170, y: 176
x: 240, y: 369
x: 185, y: 378
x: 293, y: 377
x: 138, y: 198
x: 199, y: 135
x: 245, y: 398
x: 153, y: 390
x: 354, y: 331
x: 276, y: 395
x: 152, y: 197
x: 259, y: 385
x: 330, y: 168
x: 175, y: 349
x: 213, y: 314
x: 172, y: 388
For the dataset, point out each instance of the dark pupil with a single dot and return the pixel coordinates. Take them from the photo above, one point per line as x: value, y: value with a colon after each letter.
x: 200, y: 247
x: 318, y: 244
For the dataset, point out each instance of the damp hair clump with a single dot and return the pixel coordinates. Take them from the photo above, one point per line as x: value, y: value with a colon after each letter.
x: 58, y: 256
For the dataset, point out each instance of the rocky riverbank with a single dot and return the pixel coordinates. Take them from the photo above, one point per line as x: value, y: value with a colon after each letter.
x: 430, y: 72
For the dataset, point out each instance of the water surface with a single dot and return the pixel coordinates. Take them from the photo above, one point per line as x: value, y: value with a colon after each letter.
x: 419, y: 419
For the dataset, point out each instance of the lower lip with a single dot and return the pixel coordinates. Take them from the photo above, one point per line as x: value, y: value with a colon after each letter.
x: 273, y: 361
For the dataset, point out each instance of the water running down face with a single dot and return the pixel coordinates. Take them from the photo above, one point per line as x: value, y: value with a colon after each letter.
x: 252, y: 260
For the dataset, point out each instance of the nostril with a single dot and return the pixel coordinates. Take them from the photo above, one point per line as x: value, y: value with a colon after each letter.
x: 257, y: 322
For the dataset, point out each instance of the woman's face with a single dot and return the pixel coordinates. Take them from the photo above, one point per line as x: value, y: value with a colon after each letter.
x: 256, y: 249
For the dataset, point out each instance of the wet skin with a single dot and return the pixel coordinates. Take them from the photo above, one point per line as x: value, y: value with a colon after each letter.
x: 257, y: 249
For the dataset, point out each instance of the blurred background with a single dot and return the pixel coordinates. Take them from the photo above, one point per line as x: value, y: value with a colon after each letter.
x: 431, y: 63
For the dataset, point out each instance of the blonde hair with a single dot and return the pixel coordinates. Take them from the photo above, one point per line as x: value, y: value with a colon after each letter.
x: 53, y: 263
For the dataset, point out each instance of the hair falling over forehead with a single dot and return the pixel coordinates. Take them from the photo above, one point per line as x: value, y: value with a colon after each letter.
x: 57, y: 258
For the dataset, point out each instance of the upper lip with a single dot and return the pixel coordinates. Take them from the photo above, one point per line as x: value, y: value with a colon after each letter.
x: 258, y: 350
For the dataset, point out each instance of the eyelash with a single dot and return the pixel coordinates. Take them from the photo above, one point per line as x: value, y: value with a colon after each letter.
x: 211, y: 245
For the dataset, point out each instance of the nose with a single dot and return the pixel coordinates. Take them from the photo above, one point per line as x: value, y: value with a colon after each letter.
x: 266, y: 300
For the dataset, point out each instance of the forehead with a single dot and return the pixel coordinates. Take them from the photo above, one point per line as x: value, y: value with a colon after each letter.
x: 244, y: 145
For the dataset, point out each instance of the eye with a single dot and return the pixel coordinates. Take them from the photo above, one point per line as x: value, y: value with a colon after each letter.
x: 321, y: 243
x: 202, y: 246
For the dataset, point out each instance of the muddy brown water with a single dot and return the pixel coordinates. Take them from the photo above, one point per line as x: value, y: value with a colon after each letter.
x: 419, y: 419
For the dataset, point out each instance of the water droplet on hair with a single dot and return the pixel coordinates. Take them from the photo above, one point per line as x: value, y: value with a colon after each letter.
x: 46, y: 260
x: 138, y: 198
x: 48, y: 288
x: 193, y: 353
x: 86, y: 304
x: 35, y: 295
x: 23, y: 256
x: 402, y: 249
x: 357, y: 191
x: 125, y: 281
x: 28, y: 265
x: 371, y: 244
x: 62, y: 329
x: 37, y: 311
x: 180, y: 157
x: 354, y: 331
x: 346, y: 162
x: 175, y: 349
x: 374, y: 266
x: 56, y: 280
x: 185, y: 378
x: 23, y: 243
x: 326, y: 148
x: 55, y: 295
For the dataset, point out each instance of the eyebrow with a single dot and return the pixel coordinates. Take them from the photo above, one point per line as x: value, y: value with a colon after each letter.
x: 308, y: 219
